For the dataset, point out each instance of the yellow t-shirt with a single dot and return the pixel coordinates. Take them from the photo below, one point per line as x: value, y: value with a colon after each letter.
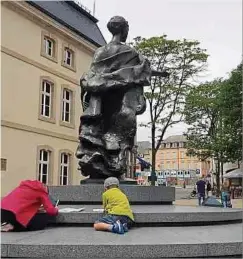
x: 116, y: 202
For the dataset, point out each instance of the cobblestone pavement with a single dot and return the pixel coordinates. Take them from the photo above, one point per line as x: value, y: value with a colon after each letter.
x: 236, y: 203
x: 182, y: 198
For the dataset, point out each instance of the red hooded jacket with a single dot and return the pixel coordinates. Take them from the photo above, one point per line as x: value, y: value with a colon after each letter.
x: 25, y: 200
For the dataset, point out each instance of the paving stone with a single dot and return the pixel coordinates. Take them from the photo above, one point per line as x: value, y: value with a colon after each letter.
x: 157, y: 242
x: 4, y: 250
x: 92, y: 194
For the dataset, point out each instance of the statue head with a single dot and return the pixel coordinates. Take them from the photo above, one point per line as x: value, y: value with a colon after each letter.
x: 118, y: 26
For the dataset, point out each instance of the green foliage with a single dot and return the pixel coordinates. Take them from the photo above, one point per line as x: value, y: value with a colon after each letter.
x: 183, y: 59
x: 230, y: 102
x: 214, y: 112
x: 201, y: 113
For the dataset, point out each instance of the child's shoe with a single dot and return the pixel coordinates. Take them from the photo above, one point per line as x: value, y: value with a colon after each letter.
x: 118, y: 228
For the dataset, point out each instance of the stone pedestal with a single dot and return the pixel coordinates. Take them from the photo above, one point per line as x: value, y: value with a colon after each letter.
x: 160, y: 231
x: 148, y: 242
x: 101, y: 181
x: 92, y: 194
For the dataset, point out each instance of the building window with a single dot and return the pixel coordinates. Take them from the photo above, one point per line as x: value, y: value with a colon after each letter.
x: 65, y: 169
x: 44, y: 166
x: 182, y: 154
x: 47, y: 107
x: 49, y: 46
x: 168, y: 155
x: 174, y: 145
x: 68, y: 57
x: 3, y: 164
x: 67, y: 117
x: 66, y: 105
x: 46, y: 99
x: 174, y: 165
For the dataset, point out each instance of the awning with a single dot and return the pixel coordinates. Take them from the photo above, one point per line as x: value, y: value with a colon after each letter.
x: 237, y: 173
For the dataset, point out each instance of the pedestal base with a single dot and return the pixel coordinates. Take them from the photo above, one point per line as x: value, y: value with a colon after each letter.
x: 92, y: 194
x: 101, y: 181
x: 146, y: 242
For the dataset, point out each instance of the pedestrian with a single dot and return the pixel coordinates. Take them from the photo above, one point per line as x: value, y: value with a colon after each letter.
x: 201, y: 184
x: 184, y: 184
x: 225, y: 197
x: 208, y: 188
x: 20, y: 208
x: 118, y: 216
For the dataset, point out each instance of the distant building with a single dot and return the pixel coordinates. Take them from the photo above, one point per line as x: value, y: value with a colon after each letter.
x: 172, y: 155
x: 46, y: 47
x: 173, y: 163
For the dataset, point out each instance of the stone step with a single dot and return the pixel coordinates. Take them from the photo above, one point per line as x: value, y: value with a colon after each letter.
x: 150, y: 242
x: 92, y: 194
x: 157, y: 214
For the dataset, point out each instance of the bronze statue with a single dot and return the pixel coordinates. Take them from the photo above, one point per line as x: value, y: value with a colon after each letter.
x: 112, y: 96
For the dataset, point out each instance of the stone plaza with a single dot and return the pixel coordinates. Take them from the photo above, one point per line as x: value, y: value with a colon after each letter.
x: 161, y: 230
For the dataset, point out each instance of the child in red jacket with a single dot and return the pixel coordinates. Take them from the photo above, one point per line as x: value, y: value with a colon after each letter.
x: 19, y: 209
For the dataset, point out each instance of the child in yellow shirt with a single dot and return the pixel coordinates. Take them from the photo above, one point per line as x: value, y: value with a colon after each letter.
x: 118, y: 216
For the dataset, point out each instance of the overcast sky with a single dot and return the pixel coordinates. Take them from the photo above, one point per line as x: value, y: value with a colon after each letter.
x: 217, y: 24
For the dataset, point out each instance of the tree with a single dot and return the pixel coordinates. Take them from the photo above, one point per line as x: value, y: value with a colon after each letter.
x: 213, y: 111
x: 230, y: 104
x: 183, y: 59
x: 203, y: 115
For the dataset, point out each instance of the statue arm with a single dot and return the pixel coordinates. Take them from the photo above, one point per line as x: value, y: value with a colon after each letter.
x: 154, y: 72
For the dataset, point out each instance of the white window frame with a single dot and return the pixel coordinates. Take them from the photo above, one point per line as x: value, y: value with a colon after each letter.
x: 66, y: 55
x: 41, y: 163
x: 62, y: 166
x: 49, y: 46
x: 65, y: 101
x: 46, y: 94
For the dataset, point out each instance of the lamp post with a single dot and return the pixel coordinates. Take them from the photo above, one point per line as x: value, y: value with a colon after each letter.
x: 134, y: 158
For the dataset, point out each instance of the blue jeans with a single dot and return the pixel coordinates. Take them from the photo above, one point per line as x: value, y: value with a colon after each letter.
x: 225, y: 204
x: 111, y: 219
x: 201, y: 196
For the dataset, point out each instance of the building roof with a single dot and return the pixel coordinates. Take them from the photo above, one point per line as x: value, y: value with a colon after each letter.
x: 74, y: 17
x: 175, y: 138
